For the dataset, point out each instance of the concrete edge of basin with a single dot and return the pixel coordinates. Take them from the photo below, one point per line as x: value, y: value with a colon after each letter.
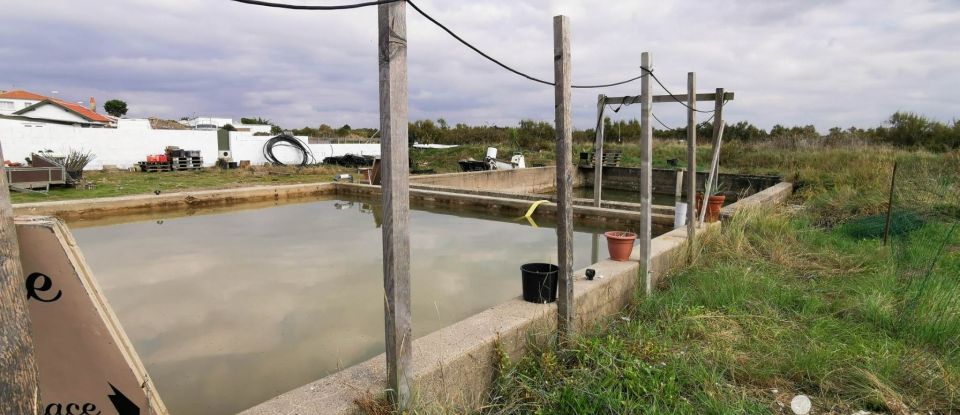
x: 506, y: 204
x: 454, y: 367
x: 69, y: 209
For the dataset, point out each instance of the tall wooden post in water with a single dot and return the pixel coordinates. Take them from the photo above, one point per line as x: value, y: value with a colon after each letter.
x: 392, y: 40
x: 646, y: 175
x: 19, y: 391
x: 691, y: 159
x: 564, y: 120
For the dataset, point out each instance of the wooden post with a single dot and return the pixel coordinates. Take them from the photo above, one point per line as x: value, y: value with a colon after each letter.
x: 646, y: 172
x: 886, y: 225
x: 710, y: 184
x: 19, y: 391
x: 564, y: 120
x: 392, y: 40
x: 718, y: 123
x: 715, y: 156
x: 598, y: 153
x: 691, y: 159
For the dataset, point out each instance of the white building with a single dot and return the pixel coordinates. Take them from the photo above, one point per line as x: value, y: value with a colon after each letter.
x: 30, y: 106
x: 210, y: 123
x: 13, y: 101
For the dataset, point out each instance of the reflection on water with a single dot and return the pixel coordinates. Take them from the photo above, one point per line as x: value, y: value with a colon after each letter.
x: 228, y: 310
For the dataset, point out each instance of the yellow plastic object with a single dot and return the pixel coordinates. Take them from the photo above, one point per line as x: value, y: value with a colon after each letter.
x: 533, y: 207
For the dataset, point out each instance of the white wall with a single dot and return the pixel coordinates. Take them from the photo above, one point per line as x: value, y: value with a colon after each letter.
x: 125, y: 147
x: 120, y: 147
x: 17, y: 105
x: 53, y: 112
x: 255, y: 128
x: 219, y: 122
x: 246, y: 146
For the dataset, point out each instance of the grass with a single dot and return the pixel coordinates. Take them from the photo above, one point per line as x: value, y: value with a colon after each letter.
x: 783, y: 302
x: 772, y: 308
x: 124, y: 183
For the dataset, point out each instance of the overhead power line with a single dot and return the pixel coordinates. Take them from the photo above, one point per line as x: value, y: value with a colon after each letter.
x: 465, y: 43
x: 304, y: 7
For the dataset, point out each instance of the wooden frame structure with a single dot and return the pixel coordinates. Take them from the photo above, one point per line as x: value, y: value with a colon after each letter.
x: 646, y: 101
x: 20, y: 373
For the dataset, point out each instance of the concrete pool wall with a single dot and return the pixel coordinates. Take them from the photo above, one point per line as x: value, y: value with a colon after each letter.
x: 454, y: 366
x: 665, y: 180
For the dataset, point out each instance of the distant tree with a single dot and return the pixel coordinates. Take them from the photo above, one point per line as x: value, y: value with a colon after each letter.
x: 115, y: 107
x: 229, y: 127
x: 344, y: 131
x: 275, y: 129
x: 443, y: 124
x: 257, y: 120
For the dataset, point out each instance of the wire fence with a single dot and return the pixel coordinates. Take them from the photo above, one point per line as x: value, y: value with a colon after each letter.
x: 922, y: 229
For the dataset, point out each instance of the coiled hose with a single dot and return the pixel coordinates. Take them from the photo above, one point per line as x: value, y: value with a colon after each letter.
x: 284, y: 140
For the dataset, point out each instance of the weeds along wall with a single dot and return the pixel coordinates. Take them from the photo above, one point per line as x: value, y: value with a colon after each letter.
x: 130, y: 143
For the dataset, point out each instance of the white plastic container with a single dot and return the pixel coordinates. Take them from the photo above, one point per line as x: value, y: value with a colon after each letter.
x: 491, y: 152
x: 680, y: 215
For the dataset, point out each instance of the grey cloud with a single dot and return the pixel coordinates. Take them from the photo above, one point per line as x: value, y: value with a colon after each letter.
x: 824, y: 62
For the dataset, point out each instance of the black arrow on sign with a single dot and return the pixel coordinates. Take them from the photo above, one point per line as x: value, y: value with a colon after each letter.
x: 124, y: 405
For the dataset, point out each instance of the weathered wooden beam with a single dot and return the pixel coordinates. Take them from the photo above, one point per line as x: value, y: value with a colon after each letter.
x: 691, y: 159
x: 564, y: 121
x: 398, y: 334
x: 19, y: 387
x: 646, y: 173
x: 659, y: 99
x: 715, y: 156
x: 598, y: 153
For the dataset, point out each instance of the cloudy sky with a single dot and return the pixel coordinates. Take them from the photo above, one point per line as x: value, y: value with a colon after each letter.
x: 822, y: 62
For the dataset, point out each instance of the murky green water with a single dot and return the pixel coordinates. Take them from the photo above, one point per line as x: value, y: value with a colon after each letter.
x: 230, y: 309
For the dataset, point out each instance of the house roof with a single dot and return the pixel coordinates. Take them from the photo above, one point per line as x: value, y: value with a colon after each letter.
x: 21, y: 94
x: 74, y: 108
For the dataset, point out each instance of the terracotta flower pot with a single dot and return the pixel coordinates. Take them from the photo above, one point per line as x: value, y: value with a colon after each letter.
x: 620, y: 244
x: 714, y: 204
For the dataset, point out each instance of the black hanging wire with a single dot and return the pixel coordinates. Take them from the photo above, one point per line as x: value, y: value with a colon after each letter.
x: 304, y: 7
x: 468, y: 44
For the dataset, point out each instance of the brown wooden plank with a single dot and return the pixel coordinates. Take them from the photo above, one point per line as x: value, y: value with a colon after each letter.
x: 646, y: 174
x: 19, y: 391
x: 392, y: 42
x: 564, y: 121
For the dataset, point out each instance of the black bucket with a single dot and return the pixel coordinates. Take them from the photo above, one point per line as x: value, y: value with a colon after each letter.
x: 539, y: 282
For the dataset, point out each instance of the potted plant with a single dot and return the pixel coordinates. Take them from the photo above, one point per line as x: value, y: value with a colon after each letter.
x: 620, y: 244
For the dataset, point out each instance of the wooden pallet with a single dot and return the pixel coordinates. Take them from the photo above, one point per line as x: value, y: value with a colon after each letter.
x: 153, y: 168
x: 186, y: 163
x: 610, y: 159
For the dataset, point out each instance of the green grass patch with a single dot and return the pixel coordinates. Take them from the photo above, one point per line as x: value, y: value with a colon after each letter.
x: 771, y: 308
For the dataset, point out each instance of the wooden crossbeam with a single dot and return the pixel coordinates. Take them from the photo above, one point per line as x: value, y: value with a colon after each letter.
x: 711, y: 96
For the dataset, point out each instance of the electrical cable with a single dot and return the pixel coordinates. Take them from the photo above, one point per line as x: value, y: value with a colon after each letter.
x: 302, y: 7
x: 661, y: 122
x: 284, y: 140
x: 465, y: 43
